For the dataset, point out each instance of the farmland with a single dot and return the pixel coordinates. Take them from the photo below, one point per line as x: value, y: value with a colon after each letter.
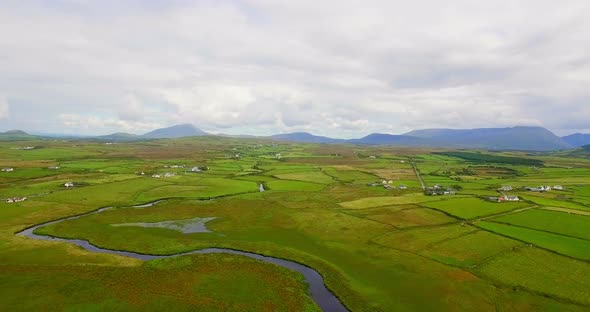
x: 355, y: 214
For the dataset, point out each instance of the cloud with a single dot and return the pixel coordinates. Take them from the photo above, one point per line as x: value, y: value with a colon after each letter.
x: 101, y: 125
x: 341, y: 68
x: 4, y: 109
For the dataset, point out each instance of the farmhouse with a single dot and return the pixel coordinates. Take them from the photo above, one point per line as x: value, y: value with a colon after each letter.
x: 544, y: 188
x: 558, y: 187
x: 508, y: 198
x: 15, y: 200
x: 196, y: 169
x: 7, y: 169
x: 439, y: 190
x: 157, y: 176
x: 69, y: 184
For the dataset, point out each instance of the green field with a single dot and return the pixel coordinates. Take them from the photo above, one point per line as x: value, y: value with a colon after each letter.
x: 571, y: 246
x: 550, y: 221
x: 324, y: 206
x: 469, y: 208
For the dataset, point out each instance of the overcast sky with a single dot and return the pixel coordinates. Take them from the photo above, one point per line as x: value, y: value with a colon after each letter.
x: 338, y: 68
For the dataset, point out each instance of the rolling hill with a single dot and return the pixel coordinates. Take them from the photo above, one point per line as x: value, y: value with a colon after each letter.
x: 577, y: 139
x: 391, y: 139
x: 515, y: 138
x: 16, y: 135
x: 119, y: 136
x: 305, y: 138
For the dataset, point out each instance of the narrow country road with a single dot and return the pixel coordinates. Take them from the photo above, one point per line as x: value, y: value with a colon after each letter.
x: 418, y: 174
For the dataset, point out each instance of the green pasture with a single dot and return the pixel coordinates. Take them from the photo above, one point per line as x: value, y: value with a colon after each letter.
x: 550, y: 221
x: 566, y: 245
x: 469, y: 208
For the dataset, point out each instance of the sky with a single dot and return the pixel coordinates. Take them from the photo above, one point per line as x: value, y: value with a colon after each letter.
x: 333, y: 67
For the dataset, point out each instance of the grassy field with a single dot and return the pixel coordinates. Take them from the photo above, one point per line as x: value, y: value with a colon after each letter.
x: 378, y: 249
x: 550, y: 221
x: 469, y: 208
x: 570, y: 246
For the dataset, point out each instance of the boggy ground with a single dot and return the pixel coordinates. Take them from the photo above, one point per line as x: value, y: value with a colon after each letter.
x: 378, y: 249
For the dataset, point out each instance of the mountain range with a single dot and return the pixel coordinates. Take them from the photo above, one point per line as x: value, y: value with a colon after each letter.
x: 577, y: 139
x: 513, y: 138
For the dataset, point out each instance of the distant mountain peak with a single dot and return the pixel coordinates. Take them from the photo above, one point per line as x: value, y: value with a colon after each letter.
x: 304, y: 137
x: 14, y: 132
x: 577, y: 139
x: 512, y: 138
x: 177, y: 131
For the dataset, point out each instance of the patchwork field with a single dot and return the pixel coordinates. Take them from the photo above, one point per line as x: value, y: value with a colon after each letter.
x: 355, y: 214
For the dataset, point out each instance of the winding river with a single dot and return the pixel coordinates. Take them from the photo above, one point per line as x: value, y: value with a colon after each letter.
x: 323, y: 297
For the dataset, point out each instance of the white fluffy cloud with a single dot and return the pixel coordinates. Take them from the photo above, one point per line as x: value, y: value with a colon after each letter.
x: 341, y: 68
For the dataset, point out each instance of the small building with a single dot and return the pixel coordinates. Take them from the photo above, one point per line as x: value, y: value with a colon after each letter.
x: 157, y: 176
x: 7, y: 169
x: 372, y: 157
x: 196, y: 169
x: 435, y: 191
x: 69, y: 184
x: 558, y: 187
x: 168, y: 175
x: 384, y: 182
x: 543, y: 188
x: 505, y: 188
x: 508, y: 198
x: 15, y: 200
x: 389, y: 182
x: 402, y: 187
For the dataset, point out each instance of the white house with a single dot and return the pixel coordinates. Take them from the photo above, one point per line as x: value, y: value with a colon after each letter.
x: 196, y: 169
x: 402, y: 187
x: 69, y: 184
x: 15, y: 200
x: 157, y: 176
x: 558, y: 187
x: 508, y: 198
x: 7, y: 169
